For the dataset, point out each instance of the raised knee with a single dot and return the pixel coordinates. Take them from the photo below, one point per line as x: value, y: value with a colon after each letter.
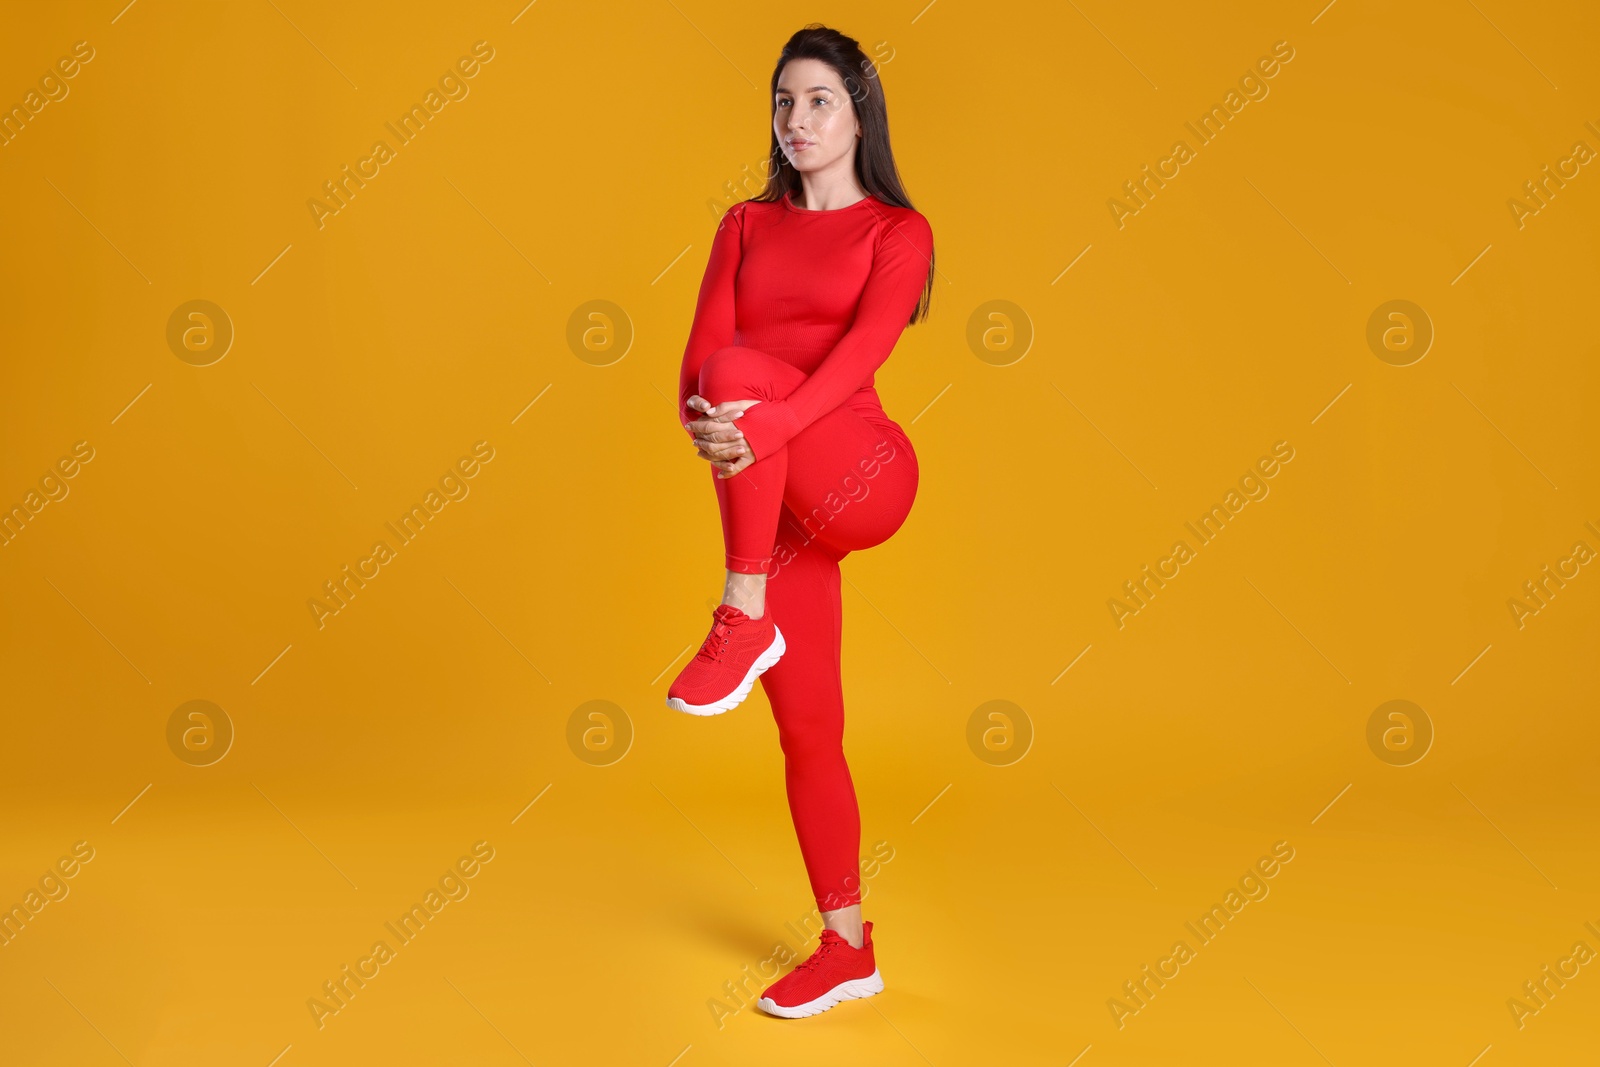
x: 732, y: 368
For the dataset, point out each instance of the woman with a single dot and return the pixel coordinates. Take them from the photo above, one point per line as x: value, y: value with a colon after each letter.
x: 807, y: 288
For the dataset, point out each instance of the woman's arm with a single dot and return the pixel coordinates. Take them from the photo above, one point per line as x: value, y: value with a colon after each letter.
x: 713, y: 326
x: 899, y: 272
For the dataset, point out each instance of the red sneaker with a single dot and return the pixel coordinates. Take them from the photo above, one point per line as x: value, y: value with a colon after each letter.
x: 736, y: 652
x: 835, y: 972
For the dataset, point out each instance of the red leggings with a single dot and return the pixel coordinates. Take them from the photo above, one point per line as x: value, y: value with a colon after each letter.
x: 844, y: 483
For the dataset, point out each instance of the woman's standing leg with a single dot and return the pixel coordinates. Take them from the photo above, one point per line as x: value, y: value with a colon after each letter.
x: 851, y: 485
x: 851, y: 482
x: 806, y: 692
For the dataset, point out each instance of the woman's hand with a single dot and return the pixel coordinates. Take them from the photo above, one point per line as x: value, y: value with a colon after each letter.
x: 717, y: 439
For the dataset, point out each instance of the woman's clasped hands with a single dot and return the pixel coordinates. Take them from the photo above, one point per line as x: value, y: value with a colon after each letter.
x: 716, y: 438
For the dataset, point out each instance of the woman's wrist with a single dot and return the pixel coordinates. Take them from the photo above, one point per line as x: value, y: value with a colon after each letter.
x: 767, y: 427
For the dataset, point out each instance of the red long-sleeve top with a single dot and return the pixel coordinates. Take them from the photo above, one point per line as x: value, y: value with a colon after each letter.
x: 827, y: 291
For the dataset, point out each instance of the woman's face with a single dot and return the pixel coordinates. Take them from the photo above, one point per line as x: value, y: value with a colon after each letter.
x: 814, y: 117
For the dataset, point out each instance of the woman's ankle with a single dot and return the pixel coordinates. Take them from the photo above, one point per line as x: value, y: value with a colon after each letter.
x: 747, y: 592
x: 847, y: 923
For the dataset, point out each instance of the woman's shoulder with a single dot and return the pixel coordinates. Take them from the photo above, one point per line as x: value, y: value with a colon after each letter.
x: 898, y: 212
x: 905, y: 220
x: 732, y: 217
x: 902, y: 216
x: 739, y: 211
x: 753, y: 204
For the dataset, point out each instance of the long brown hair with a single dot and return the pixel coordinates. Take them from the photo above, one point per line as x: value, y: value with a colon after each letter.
x: 874, y: 162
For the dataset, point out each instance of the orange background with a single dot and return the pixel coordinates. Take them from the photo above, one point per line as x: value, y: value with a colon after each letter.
x: 1036, y: 861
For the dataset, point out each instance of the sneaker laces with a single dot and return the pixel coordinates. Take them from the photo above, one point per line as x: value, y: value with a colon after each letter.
x: 821, y: 954
x: 716, y: 642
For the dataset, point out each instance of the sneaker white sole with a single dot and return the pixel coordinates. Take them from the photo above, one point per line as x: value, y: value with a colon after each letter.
x: 851, y: 990
x: 764, y: 661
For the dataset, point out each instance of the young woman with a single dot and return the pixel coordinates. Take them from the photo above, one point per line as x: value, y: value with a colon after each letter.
x: 807, y: 289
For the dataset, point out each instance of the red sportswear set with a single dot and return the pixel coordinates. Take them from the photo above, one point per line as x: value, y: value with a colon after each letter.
x: 798, y: 308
